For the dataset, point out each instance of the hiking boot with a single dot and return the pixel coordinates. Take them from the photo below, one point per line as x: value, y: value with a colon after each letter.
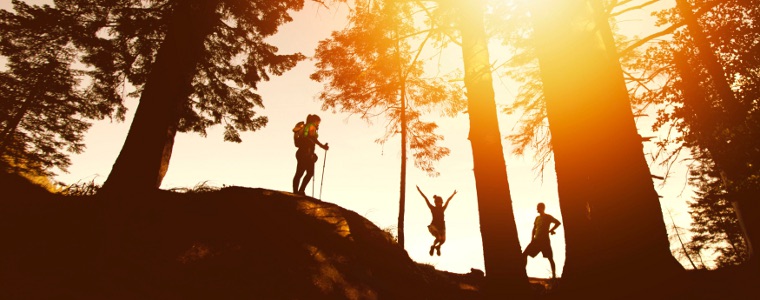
x: 432, y: 248
x: 438, y: 250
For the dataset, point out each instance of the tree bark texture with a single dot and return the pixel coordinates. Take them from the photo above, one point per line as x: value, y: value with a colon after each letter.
x: 504, y: 263
x: 402, y: 183
x: 611, y: 212
x: 13, y: 123
x: 144, y: 158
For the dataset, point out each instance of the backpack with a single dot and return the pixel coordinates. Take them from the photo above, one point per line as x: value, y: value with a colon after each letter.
x: 298, y: 138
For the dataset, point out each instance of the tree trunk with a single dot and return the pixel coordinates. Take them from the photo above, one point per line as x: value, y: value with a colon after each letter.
x: 611, y: 212
x: 732, y: 164
x: 12, y: 124
x: 747, y: 208
x: 402, y: 188
x: 144, y: 158
x: 502, y: 255
x: 680, y: 241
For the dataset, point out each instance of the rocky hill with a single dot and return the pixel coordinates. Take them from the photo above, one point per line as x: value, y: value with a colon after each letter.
x: 245, y: 243
x: 232, y: 243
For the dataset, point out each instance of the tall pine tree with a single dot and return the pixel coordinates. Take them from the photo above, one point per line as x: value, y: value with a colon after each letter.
x: 706, y: 78
x: 714, y: 225
x: 603, y: 179
x: 370, y: 69
x: 45, y: 106
x: 205, y: 59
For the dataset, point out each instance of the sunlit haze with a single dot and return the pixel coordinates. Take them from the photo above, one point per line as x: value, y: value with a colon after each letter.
x: 361, y: 175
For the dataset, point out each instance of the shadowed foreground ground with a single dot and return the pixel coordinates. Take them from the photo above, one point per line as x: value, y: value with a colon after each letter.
x: 235, y: 243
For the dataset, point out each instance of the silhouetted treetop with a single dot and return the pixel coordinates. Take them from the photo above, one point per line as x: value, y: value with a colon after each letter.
x: 374, y: 64
x: 44, y: 102
x: 126, y: 35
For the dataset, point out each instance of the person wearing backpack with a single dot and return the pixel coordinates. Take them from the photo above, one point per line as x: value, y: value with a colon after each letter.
x: 305, y: 138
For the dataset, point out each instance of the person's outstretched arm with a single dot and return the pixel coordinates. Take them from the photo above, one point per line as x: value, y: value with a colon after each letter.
x: 423, y: 196
x: 448, y: 200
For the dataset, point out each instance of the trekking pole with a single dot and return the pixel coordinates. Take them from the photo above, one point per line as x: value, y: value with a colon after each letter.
x: 322, y: 181
x: 312, y: 186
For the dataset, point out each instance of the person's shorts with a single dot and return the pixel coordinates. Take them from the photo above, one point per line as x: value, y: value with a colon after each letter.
x: 439, y: 233
x: 539, y: 245
x: 303, y: 155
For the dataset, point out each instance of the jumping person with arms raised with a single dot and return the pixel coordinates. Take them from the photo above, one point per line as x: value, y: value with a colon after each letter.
x: 437, y: 226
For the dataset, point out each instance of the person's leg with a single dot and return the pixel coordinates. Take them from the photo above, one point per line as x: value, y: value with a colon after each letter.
x: 549, y: 254
x: 434, y: 245
x: 551, y: 262
x: 307, y: 178
x: 530, y: 251
x: 434, y: 232
x: 441, y: 239
x: 300, y: 169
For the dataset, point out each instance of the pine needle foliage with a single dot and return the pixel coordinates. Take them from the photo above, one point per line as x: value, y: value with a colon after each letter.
x: 366, y: 66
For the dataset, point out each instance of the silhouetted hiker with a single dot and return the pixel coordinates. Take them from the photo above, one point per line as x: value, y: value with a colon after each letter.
x: 539, y: 238
x: 305, y: 139
x: 437, y: 226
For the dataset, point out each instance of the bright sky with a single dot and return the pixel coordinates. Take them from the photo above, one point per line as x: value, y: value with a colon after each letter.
x: 359, y: 174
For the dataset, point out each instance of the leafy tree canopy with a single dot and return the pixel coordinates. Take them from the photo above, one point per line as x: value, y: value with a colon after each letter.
x: 44, y: 107
x: 129, y: 33
x: 375, y: 63
x: 77, y: 60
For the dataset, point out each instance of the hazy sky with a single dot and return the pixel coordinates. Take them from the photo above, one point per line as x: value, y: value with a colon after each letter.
x: 360, y: 174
